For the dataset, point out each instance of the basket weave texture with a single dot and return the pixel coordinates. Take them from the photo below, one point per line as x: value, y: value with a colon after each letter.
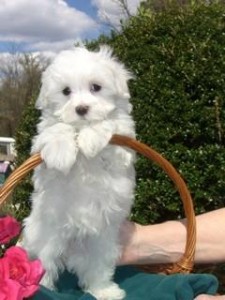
x: 186, y: 262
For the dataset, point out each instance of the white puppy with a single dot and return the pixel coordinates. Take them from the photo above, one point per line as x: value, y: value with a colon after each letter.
x: 83, y: 190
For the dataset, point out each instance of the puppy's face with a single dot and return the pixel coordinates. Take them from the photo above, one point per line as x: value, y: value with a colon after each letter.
x: 82, y: 87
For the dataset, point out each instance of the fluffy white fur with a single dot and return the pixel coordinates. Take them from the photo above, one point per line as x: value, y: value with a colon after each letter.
x: 84, y: 189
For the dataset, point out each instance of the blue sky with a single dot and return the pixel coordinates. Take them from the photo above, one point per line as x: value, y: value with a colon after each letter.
x: 85, y: 6
x: 53, y: 25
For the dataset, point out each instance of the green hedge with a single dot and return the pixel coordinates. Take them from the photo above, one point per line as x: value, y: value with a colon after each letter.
x: 26, y: 130
x: 178, y: 58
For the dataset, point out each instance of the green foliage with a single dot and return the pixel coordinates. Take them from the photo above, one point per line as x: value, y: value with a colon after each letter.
x: 24, y: 134
x: 178, y: 58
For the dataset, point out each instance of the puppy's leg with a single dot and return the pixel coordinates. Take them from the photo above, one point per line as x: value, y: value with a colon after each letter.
x: 94, y: 263
x: 52, y: 264
x: 44, y: 245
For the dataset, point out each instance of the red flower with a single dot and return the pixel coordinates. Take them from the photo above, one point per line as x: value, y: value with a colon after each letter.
x: 9, y: 228
x: 19, y: 276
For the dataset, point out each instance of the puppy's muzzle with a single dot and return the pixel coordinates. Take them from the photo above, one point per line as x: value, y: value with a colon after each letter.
x: 82, y: 110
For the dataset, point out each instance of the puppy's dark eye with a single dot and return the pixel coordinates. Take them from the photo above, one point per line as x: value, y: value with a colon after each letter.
x: 66, y: 91
x: 95, y: 87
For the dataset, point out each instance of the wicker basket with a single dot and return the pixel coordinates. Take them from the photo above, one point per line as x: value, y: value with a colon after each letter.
x: 185, y: 264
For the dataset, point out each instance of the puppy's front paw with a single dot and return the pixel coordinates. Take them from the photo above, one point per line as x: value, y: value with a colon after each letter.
x: 111, y: 292
x: 60, y: 155
x: 58, y: 147
x: 92, y: 140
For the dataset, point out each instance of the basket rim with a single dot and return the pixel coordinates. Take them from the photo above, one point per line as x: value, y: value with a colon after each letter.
x: 186, y: 262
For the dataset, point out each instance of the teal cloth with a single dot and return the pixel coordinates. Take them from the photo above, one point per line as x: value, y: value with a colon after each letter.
x: 139, y: 285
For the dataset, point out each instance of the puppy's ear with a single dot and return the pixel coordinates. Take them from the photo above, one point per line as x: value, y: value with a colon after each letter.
x: 105, y: 51
x: 120, y: 73
x: 42, y: 99
x: 122, y: 76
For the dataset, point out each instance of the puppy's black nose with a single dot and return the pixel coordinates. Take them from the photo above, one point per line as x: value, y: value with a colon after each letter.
x: 81, y: 110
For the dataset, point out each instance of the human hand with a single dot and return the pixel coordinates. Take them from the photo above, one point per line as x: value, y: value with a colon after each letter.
x: 209, y: 297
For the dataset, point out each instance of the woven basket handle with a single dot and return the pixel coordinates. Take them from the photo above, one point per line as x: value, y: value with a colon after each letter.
x: 185, y: 264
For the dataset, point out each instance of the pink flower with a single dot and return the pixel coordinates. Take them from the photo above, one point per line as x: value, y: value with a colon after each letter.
x: 9, y: 228
x: 10, y: 290
x: 20, y: 276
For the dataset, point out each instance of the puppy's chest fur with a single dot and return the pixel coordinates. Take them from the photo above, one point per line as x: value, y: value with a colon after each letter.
x: 96, y: 193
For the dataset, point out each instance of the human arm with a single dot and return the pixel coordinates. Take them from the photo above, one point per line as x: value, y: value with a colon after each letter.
x: 165, y: 242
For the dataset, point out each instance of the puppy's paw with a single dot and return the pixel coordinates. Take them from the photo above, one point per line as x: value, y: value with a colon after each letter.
x: 48, y: 282
x: 58, y: 147
x: 111, y: 292
x: 60, y: 155
x: 90, y: 143
x: 92, y: 140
